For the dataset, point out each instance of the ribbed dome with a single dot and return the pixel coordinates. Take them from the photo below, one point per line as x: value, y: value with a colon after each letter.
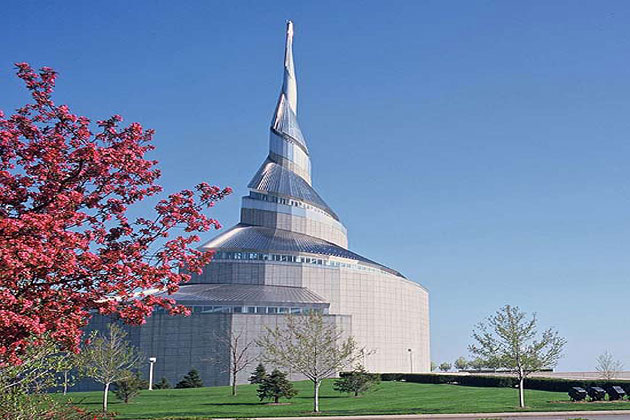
x: 262, y: 239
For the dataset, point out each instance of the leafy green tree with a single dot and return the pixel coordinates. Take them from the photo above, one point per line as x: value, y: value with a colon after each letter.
x: 109, y: 358
x: 510, y: 340
x: 445, y: 366
x: 477, y: 364
x: 68, y: 370
x: 129, y: 388
x: 433, y: 366
x: 461, y: 363
x: 258, y: 375
x: 276, y: 386
x: 163, y: 384
x: 24, y: 386
x: 190, y: 380
x: 310, y: 345
x: 356, y: 382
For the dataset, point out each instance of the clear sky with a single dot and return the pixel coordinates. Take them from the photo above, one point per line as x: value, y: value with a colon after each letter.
x: 479, y: 147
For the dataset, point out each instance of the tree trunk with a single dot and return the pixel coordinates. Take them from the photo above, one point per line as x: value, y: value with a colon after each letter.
x: 105, y: 392
x: 521, y: 392
x: 234, y: 384
x: 65, y: 382
x: 276, y: 399
x: 316, y: 385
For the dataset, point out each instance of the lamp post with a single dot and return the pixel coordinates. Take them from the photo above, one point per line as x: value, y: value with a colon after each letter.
x: 410, y: 360
x: 151, y: 362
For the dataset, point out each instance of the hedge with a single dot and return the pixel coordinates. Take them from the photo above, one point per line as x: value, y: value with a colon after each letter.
x: 538, y: 383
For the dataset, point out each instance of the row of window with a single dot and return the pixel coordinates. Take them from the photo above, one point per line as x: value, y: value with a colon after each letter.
x: 266, y: 310
x: 286, y: 201
x: 225, y: 255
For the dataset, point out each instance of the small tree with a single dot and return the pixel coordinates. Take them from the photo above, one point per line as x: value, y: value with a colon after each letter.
x: 433, y: 366
x: 258, y: 375
x: 109, y: 358
x: 445, y: 366
x: 68, y: 368
x: 190, y: 380
x: 240, y: 355
x: 508, y: 340
x: 607, y: 366
x: 356, y: 382
x: 477, y: 364
x: 276, y: 386
x: 130, y: 387
x: 163, y: 384
x: 311, y: 346
x: 23, y: 386
x: 461, y: 363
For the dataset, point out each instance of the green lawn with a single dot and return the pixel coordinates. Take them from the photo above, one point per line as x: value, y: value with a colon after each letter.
x: 386, y: 398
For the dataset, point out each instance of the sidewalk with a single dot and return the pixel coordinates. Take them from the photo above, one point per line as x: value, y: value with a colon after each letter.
x: 549, y: 415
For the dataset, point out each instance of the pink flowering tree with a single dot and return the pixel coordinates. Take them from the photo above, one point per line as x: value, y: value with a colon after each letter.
x: 67, y: 244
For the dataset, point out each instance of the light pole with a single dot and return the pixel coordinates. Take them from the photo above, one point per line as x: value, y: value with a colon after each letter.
x: 151, y: 362
x: 410, y: 360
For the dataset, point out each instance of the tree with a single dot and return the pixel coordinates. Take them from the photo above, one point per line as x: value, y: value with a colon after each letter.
x: 509, y: 340
x: 24, y: 387
x: 433, y: 366
x: 445, y: 366
x: 240, y: 356
x: 276, y: 386
x: 109, y: 358
x: 355, y: 382
x: 258, y: 375
x: 68, y: 367
x: 39, y: 369
x: 461, y: 363
x: 607, y: 366
x: 190, y: 380
x: 127, y: 389
x: 311, y: 346
x: 477, y: 364
x: 163, y: 384
x: 68, y: 246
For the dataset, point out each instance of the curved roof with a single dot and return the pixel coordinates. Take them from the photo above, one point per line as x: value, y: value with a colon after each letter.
x: 242, y: 294
x: 277, y: 179
x: 263, y: 239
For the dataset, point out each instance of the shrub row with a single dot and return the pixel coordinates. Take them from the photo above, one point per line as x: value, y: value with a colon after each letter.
x: 542, y: 384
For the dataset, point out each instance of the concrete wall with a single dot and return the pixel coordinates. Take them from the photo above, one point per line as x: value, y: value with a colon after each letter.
x: 183, y: 343
x: 390, y: 314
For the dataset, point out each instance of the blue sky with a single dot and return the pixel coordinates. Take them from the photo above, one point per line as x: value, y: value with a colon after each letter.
x: 479, y: 147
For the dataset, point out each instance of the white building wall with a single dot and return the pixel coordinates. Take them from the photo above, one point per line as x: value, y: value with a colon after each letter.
x: 389, y: 314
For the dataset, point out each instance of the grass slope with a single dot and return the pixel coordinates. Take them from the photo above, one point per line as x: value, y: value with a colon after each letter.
x: 386, y: 398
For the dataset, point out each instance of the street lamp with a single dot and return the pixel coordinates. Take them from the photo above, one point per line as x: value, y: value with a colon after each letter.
x: 151, y: 362
x: 410, y: 360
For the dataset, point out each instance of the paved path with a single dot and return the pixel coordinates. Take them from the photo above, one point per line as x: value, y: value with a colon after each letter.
x: 558, y: 415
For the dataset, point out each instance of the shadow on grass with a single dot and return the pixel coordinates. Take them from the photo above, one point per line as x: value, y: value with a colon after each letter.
x: 249, y: 404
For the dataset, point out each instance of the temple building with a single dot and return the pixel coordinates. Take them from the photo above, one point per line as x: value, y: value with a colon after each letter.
x: 288, y: 255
